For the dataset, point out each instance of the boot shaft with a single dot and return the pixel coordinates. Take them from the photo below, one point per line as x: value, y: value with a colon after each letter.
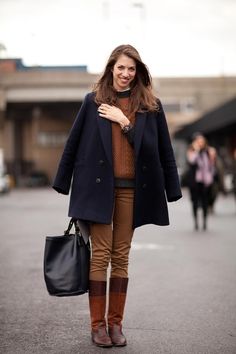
x: 97, y: 303
x: 117, y: 299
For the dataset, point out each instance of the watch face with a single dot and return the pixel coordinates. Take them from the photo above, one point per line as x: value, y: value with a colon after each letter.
x: 126, y: 128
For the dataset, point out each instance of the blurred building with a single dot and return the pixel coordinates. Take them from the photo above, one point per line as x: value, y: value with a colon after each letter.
x: 38, y: 106
x: 219, y: 127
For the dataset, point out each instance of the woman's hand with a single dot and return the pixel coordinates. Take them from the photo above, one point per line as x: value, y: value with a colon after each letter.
x: 195, y: 146
x: 192, y: 154
x: 113, y: 113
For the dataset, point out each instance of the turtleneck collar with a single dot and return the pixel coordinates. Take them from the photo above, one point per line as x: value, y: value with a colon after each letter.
x: 123, y: 94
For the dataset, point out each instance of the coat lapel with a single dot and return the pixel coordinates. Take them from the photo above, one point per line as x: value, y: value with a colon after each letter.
x: 139, y: 128
x: 106, y: 136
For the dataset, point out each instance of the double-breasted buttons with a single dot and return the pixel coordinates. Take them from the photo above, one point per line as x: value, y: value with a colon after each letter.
x: 98, y: 180
x: 101, y: 162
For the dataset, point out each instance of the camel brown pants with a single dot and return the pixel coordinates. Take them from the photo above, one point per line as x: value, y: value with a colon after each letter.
x: 111, y: 243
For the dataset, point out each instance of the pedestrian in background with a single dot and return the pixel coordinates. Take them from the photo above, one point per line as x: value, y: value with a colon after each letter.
x: 120, y: 155
x: 202, y: 161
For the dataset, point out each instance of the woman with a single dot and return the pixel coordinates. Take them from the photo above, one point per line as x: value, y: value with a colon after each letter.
x: 120, y: 155
x: 202, y: 160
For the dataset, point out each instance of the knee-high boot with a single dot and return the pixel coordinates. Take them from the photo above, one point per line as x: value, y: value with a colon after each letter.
x: 97, y: 305
x: 117, y: 298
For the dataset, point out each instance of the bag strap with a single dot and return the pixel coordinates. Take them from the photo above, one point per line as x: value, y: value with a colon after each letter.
x: 78, y: 232
x: 71, y: 223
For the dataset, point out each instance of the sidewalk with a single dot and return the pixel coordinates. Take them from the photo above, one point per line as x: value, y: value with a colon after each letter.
x: 182, y: 290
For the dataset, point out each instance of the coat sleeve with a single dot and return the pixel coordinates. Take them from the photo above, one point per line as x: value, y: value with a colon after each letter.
x: 171, y: 178
x: 65, y: 169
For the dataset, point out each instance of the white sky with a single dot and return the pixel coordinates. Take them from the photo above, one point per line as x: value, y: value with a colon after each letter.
x: 174, y: 37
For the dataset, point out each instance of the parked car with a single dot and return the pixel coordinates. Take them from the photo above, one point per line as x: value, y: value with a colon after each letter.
x: 4, y: 183
x: 4, y: 177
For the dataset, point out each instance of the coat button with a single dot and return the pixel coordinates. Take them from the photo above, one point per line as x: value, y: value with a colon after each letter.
x: 144, y: 185
x: 101, y: 162
x: 98, y: 180
x: 144, y: 168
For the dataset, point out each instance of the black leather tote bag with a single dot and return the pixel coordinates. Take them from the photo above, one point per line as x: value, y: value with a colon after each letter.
x: 66, y: 263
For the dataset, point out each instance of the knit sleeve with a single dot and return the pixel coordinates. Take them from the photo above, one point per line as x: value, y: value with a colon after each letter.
x: 130, y: 136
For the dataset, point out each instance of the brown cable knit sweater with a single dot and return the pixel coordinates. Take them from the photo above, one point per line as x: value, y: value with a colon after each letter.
x: 123, y: 153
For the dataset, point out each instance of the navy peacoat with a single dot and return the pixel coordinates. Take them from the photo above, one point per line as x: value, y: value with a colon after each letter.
x: 87, y: 157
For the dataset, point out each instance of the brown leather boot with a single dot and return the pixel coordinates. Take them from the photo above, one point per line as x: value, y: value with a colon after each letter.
x: 97, y: 305
x: 117, y: 297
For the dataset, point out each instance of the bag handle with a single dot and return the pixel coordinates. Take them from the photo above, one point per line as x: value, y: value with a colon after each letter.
x: 71, y: 223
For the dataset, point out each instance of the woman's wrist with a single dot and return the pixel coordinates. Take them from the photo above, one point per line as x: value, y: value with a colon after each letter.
x: 124, y: 121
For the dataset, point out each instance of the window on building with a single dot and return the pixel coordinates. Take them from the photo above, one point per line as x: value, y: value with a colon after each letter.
x: 51, y: 139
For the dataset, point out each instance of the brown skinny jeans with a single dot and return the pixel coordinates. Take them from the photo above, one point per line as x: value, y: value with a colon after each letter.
x: 111, y: 243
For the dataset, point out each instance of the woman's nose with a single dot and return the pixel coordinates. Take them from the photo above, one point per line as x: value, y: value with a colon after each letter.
x: 126, y: 72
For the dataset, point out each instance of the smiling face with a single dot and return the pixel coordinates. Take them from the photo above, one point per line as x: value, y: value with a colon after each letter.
x: 124, y: 72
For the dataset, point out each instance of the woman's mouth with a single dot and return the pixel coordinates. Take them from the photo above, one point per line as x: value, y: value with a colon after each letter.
x: 124, y: 80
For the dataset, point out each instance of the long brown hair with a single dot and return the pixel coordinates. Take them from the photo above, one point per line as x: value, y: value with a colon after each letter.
x: 142, y: 97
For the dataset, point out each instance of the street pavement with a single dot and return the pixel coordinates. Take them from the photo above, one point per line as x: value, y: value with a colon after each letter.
x: 182, y: 289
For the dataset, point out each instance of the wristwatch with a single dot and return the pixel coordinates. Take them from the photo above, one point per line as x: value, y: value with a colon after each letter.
x: 127, y: 128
